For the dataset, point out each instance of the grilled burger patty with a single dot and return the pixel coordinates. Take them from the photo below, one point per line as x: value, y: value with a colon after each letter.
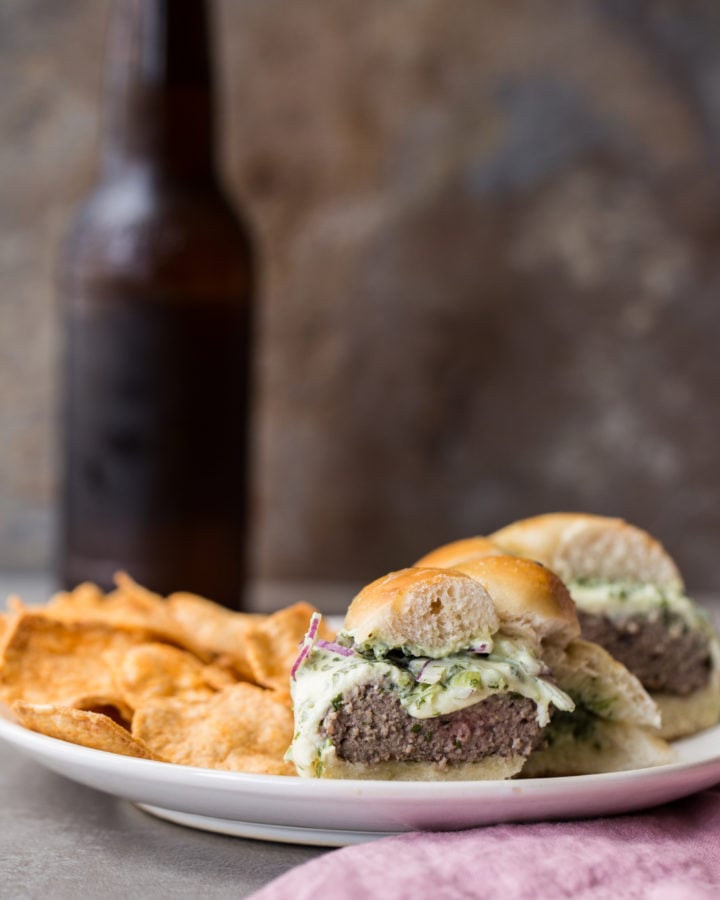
x: 665, y: 654
x: 370, y: 726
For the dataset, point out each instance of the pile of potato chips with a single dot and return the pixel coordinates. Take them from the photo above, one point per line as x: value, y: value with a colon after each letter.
x: 177, y: 679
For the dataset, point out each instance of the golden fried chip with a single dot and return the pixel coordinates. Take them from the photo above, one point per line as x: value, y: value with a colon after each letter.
x: 8, y: 622
x: 143, y: 606
x: 78, y: 726
x: 272, y: 645
x: 113, y: 707
x: 152, y: 671
x: 213, y: 632
x: 130, y: 605
x: 45, y: 660
x: 242, y: 728
x: 90, y: 663
x: 84, y: 600
x: 15, y: 604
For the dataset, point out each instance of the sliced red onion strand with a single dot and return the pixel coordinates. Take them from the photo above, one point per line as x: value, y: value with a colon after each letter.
x: 431, y: 674
x: 307, y: 643
x: 335, y: 648
x: 419, y: 669
x: 314, y: 625
x: 482, y: 647
x: 418, y: 677
x: 304, y: 651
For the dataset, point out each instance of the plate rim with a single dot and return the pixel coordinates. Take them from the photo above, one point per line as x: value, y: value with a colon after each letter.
x: 25, y: 739
x: 339, y: 812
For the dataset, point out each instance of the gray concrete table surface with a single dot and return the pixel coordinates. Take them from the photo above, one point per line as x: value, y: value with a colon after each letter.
x: 61, y: 840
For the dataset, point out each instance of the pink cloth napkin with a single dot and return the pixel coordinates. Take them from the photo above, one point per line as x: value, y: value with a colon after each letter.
x: 669, y: 853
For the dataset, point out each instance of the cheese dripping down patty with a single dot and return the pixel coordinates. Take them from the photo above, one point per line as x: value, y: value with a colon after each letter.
x: 620, y: 600
x: 425, y: 687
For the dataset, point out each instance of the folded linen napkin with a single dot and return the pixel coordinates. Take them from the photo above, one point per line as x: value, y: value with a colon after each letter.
x: 668, y: 853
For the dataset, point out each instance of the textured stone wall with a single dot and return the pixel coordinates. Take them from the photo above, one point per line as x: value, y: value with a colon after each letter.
x: 490, y: 237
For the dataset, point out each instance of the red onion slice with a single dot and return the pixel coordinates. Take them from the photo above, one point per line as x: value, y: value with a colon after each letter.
x: 427, y: 671
x: 314, y: 625
x: 307, y: 644
x: 335, y: 648
x: 302, y: 656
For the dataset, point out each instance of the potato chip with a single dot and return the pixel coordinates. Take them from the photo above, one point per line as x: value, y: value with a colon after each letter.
x: 83, y: 601
x: 213, y: 632
x: 113, y: 707
x: 89, y: 729
x: 272, y: 645
x: 152, y: 671
x: 148, y: 608
x: 90, y: 664
x: 129, y: 606
x: 15, y: 608
x: 66, y: 663
x: 242, y: 729
x: 15, y: 604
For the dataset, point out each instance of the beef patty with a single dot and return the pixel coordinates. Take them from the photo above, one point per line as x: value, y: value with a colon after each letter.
x: 370, y: 726
x: 665, y: 654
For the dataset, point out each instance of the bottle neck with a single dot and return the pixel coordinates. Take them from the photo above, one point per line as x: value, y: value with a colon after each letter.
x: 159, y: 90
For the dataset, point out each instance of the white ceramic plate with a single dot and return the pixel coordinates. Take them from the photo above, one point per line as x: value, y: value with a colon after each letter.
x: 336, y: 813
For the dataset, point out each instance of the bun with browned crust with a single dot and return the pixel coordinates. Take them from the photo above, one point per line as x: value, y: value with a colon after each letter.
x: 426, y: 612
x: 462, y: 551
x: 583, y: 546
x: 528, y: 598
x: 631, y: 599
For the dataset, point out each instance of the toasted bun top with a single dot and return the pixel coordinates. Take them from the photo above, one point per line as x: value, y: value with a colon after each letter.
x: 449, y: 555
x: 428, y: 612
x: 577, y: 545
x: 528, y: 598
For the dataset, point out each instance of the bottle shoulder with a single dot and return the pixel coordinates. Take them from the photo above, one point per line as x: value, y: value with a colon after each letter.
x: 136, y: 227
x: 136, y: 201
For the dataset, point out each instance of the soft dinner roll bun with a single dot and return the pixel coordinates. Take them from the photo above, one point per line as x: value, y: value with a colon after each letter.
x: 528, y: 597
x: 449, y: 555
x: 608, y: 747
x: 577, y: 545
x: 682, y: 716
x: 428, y: 612
x: 492, y: 768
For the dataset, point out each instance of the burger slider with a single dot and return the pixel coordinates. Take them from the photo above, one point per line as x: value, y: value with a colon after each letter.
x: 439, y: 674
x: 631, y: 600
x: 422, y: 684
x: 614, y: 723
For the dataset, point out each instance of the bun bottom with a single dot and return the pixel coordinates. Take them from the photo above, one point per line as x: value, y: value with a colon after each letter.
x: 493, y: 768
x: 607, y: 747
x: 683, y: 716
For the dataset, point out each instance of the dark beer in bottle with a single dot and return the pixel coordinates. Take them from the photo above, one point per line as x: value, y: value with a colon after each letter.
x: 156, y: 287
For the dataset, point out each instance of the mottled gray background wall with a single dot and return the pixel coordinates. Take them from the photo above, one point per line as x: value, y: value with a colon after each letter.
x: 491, y: 256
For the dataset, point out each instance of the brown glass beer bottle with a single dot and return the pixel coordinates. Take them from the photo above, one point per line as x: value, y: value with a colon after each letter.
x: 156, y: 285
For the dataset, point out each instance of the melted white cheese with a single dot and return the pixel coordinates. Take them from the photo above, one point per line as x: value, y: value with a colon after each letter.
x: 465, y: 679
x: 619, y: 600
